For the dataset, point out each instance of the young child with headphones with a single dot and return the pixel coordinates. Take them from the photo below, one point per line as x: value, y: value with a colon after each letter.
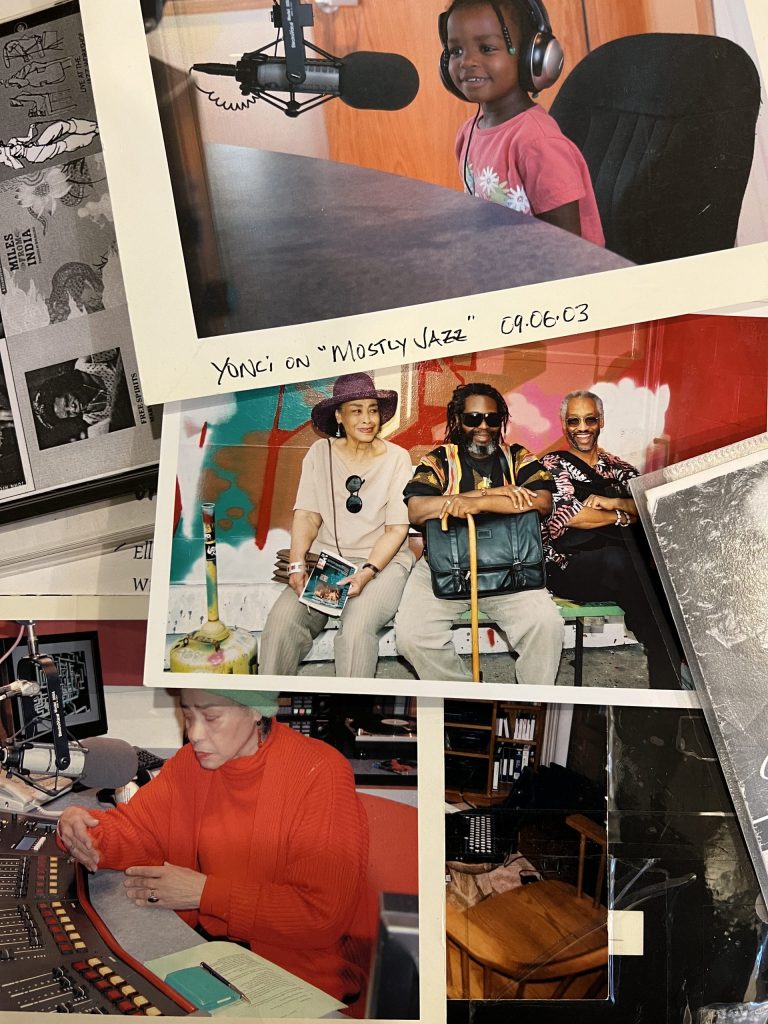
x: 496, y: 53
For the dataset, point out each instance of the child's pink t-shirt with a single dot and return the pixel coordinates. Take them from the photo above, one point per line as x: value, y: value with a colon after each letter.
x: 527, y: 164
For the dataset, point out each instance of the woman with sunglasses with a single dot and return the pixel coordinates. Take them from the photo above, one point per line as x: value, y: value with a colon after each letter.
x: 350, y: 503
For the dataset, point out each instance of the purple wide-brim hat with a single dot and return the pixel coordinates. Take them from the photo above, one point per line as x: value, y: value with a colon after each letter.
x: 351, y: 388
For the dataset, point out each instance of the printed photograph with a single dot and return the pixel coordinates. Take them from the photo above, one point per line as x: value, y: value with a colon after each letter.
x: 715, y: 579
x: 59, y: 255
x: 527, y: 908
x: 46, y: 102
x: 80, y: 398
x: 85, y: 389
x: 526, y: 849
x: 15, y: 476
x: 570, y: 167
x: 536, y: 443
x: 304, y: 833
x: 11, y: 468
x: 541, y: 139
x: 59, y: 265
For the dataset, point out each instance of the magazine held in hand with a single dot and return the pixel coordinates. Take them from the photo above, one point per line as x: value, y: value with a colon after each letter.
x: 323, y: 590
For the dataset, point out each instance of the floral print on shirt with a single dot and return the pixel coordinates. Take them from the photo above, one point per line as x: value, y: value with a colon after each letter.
x: 565, y: 504
x: 490, y: 187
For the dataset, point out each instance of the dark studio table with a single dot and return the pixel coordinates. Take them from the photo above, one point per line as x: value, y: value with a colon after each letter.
x: 302, y: 239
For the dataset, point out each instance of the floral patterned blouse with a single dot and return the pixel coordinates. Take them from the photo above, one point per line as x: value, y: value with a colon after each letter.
x: 565, y: 504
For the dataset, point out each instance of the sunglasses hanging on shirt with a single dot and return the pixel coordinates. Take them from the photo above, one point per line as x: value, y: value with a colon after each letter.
x: 354, y: 501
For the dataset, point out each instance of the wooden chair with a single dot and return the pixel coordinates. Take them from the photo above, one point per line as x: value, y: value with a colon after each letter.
x: 546, y: 940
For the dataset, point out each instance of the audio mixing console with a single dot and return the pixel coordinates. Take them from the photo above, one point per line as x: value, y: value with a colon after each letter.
x: 56, y: 954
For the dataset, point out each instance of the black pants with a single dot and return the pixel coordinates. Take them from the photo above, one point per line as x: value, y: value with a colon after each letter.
x: 610, y: 573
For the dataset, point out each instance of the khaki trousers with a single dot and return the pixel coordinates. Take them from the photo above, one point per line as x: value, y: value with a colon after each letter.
x: 291, y: 627
x: 530, y: 622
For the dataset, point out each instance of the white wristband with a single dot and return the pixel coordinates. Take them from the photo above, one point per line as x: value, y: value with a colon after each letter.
x: 295, y: 567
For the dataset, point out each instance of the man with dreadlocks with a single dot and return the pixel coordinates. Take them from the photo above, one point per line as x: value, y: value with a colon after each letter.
x: 475, y: 471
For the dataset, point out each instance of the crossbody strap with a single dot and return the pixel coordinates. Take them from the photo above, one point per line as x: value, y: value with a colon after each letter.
x: 333, y: 496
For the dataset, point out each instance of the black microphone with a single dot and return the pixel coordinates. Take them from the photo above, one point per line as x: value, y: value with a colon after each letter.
x: 99, y: 763
x: 364, y: 80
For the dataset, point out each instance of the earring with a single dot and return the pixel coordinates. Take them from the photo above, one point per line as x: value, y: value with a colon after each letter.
x: 338, y: 430
x: 512, y: 51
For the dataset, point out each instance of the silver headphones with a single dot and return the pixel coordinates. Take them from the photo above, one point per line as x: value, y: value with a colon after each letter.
x: 541, y: 56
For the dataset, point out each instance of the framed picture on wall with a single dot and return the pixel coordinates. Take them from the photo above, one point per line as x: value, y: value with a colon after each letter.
x: 77, y: 659
x: 72, y: 410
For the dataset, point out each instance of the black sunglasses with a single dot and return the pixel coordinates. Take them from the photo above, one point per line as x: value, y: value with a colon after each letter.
x: 588, y: 421
x: 474, y: 419
x: 353, y: 485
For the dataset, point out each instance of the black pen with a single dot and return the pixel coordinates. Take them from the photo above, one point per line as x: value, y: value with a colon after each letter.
x: 223, y: 980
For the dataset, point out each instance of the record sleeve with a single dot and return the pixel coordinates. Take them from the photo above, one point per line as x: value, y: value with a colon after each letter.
x: 707, y: 524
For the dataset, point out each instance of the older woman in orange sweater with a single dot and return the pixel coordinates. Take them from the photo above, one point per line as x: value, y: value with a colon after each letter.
x: 251, y: 832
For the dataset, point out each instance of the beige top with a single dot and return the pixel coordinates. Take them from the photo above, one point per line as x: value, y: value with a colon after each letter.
x: 381, y: 494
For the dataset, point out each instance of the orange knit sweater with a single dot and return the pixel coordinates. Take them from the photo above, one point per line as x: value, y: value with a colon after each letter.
x: 291, y: 874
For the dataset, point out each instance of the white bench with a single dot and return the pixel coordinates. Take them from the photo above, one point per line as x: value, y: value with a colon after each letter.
x: 248, y: 606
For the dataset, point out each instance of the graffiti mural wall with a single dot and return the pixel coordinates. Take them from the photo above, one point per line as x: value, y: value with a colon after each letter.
x: 662, y: 402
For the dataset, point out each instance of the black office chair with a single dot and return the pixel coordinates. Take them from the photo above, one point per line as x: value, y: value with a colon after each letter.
x: 666, y: 124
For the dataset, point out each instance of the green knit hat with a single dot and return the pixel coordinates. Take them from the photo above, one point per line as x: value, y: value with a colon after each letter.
x: 264, y: 701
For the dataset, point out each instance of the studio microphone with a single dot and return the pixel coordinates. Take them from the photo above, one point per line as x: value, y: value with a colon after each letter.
x: 100, y: 763
x: 364, y: 80
x: 41, y: 668
x: 20, y: 688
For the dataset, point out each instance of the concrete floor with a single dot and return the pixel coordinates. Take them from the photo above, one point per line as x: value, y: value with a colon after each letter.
x: 624, y: 666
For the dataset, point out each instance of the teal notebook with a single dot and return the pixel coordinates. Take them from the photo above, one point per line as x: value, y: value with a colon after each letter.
x: 201, y: 988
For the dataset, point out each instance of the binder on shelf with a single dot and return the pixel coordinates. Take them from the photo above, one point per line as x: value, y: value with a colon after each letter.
x: 518, y: 765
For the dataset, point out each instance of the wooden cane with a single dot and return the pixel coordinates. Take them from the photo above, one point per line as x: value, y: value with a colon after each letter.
x: 474, y: 624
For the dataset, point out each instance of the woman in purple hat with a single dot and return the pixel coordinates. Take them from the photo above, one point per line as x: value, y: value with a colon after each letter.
x: 349, y: 502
